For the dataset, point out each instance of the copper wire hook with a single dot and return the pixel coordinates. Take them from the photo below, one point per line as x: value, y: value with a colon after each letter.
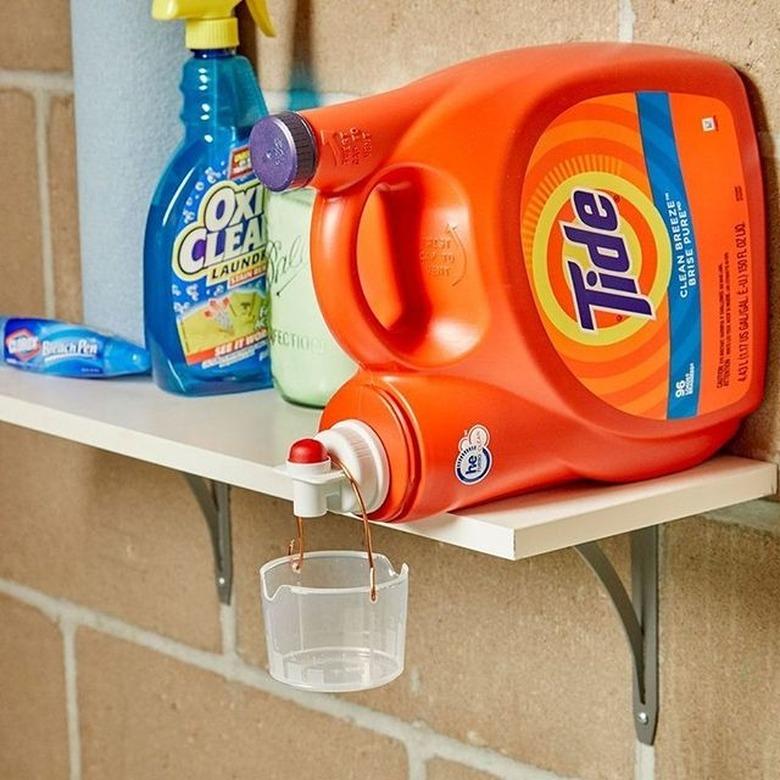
x: 366, y: 526
x: 297, y: 564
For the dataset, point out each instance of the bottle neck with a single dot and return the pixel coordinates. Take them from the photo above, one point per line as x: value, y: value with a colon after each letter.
x: 220, y: 93
x: 212, y: 54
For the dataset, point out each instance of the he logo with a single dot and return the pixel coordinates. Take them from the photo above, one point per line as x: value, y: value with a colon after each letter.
x: 474, y: 459
x: 608, y: 285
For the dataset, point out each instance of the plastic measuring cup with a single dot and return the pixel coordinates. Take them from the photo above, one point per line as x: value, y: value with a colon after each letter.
x: 322, y: 630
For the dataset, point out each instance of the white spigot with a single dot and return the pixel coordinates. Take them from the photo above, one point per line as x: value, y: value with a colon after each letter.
x: 319, y: 486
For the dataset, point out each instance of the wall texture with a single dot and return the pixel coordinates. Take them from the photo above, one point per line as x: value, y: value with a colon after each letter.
x: 116, y: 659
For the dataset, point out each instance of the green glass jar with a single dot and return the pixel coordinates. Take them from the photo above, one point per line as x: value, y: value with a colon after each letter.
x: 307, y: 364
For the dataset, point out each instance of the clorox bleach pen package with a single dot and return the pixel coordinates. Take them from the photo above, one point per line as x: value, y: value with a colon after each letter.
x: 65, y: 349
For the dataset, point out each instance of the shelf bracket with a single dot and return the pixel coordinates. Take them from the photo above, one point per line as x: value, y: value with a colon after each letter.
x: 214, y: 501
x: 639, y: 615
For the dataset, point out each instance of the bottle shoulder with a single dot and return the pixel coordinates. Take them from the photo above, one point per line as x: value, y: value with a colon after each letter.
x: 221, y: 92
x: 195, y: 164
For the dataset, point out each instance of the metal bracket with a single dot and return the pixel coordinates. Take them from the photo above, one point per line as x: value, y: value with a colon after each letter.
x: 639, y: 616
x: 214, y: 501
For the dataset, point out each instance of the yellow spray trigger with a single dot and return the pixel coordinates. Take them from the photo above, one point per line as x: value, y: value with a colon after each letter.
x: 259, y: 11
x: 211, y: 24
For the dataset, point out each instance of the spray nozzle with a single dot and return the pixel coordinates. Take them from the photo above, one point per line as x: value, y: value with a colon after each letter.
x: 211, y: 24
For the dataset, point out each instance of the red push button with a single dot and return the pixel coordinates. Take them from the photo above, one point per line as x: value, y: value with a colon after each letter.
x: 307, y: 451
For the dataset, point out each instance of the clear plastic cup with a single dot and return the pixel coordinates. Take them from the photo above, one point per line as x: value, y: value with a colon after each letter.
x: 323, y: 632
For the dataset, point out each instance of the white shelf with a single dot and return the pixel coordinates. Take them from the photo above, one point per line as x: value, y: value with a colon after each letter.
x: 239, y: 439
x: 561, y: 517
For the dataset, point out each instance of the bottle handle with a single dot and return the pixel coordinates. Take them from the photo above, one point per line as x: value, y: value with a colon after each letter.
x: 347, y: 312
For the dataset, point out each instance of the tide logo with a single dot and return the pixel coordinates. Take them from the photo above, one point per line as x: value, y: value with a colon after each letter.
x: 599, y: 259
x: 608, y: 284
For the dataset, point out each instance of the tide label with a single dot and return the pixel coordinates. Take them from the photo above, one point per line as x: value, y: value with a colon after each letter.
x: 637, y: 247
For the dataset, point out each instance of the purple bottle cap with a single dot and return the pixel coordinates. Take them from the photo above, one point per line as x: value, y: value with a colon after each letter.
x: 283, y: 151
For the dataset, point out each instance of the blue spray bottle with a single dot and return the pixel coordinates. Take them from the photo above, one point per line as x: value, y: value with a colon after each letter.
x: 204, y: 264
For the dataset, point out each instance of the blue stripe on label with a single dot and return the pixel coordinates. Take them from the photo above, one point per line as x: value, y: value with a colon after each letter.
x: 671, y: 200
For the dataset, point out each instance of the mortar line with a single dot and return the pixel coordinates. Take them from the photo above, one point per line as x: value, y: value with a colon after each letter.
x: 42, y: 106
x: 32, y: 80
x: 71, y: 697
x: 227, y: 624
x: 235, y: 669
x: 759, y: 515
x: 417, y: 760
x: 626, y: 19
x: 644, y: 762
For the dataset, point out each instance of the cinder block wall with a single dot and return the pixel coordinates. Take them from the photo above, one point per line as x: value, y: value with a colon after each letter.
x: 116, y: 660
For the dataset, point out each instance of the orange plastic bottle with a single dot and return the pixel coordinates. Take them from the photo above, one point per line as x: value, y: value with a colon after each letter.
x: 549, y: 264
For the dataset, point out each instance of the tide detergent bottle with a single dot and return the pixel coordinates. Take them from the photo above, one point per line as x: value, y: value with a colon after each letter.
x: 549, y: 264
x: 204, y: 263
